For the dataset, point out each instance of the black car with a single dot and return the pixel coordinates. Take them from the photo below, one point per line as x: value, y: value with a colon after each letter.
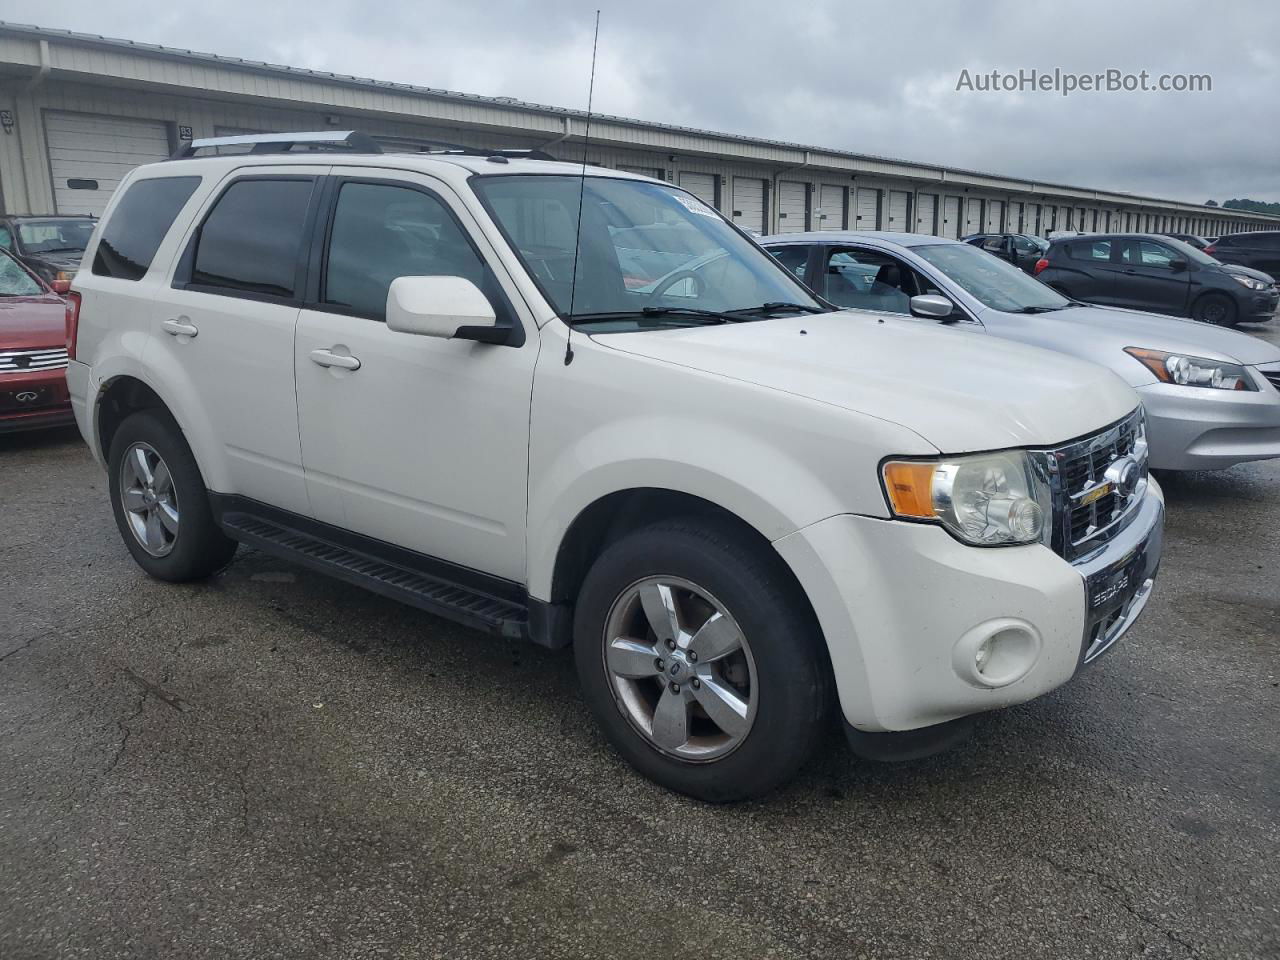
x: 1259, y: 250
x: 50, y: 246
x: 1020, y: 249
x: 1198, y: 242
x: 1155, y: 273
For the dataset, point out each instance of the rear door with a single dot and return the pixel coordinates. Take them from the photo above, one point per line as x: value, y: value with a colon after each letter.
x: 425, y: 444
x: 228, y: 322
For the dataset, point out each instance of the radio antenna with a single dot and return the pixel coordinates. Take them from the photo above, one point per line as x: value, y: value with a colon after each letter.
x: 582, y: 187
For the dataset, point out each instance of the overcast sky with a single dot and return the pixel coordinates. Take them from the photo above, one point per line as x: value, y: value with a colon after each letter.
x: 871, y: 77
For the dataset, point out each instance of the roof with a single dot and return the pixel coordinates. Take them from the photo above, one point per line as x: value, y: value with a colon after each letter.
x: 918, y: 169
x: 826, y: 236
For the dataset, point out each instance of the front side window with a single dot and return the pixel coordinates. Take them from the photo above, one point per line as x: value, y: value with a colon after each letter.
x: 15, y: 281
x: 251, y: 240
x: 132, y: 235
x: 1147, y: 254
x: 992, y: 282
x: 642, y: 247
x: 381, y: 232
x: 993, y: 244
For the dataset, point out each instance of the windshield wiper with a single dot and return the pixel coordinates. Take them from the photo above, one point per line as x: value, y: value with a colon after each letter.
x: 692, y: 313
x: 776, y: 306
x: 1039, y: 309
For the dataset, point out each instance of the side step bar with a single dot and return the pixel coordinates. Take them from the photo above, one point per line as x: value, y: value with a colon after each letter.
x: 479, y: 611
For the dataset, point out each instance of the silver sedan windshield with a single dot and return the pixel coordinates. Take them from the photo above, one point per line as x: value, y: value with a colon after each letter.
x: 991, y: 281
x: 647, y: 251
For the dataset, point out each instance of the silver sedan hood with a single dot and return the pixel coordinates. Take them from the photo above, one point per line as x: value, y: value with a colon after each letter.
x: 1100, y: 334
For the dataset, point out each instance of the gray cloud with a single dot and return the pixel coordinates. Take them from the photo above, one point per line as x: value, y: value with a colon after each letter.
x: 872, y: 77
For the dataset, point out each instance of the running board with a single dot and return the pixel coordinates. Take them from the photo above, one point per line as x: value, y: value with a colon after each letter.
x: 432, y: 594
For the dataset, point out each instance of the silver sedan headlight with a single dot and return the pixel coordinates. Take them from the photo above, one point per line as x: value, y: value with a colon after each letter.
x: 987, y: 500
x: 1188, y: 371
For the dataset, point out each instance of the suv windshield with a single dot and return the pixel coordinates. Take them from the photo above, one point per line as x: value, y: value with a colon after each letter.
x: 50, y: 236
x: 651, y: 255
x: 992, y: 281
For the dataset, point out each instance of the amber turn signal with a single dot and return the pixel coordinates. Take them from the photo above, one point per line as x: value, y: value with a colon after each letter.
x: 910, y: 488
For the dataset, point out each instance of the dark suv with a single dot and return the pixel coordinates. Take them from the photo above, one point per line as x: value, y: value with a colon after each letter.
x: 1156, y: 273
x: 1259, y: 250
x: 50, y: 246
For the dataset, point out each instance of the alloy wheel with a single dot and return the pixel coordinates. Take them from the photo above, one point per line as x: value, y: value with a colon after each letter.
x: 149, y: 499
x: 680, y: 668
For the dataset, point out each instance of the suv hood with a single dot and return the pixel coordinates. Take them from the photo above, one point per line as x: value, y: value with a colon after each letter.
x: 1100, y: 334
x: 957, y: 389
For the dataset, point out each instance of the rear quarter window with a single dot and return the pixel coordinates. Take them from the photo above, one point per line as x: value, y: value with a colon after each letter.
x: 133, y: 233
x: 1090, y: 250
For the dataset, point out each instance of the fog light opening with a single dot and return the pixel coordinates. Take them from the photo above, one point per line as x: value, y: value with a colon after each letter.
x: 997, y: 653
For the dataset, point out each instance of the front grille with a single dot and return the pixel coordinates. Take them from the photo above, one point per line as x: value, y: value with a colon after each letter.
x: 1091, y: 505
x: 48, y: 358
x: 1273, y: 377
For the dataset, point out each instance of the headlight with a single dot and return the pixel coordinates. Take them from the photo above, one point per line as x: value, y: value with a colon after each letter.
x: 1187, y: 371
x: 1249, y: 282
x: 988, y: 500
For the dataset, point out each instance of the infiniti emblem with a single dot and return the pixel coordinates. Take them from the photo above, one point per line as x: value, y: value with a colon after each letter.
x: 26, y: 396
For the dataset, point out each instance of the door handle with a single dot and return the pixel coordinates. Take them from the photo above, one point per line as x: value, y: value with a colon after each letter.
x: 180, y: 328
x: 1131, y: 272
x: 327, y: 358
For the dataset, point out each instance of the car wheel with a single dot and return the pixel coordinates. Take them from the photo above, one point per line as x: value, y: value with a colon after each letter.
x: 160, y: 501
x: 702, y: 660
x: 1215, y: 308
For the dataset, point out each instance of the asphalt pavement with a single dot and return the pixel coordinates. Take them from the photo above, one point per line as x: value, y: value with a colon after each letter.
x: 272, y: 764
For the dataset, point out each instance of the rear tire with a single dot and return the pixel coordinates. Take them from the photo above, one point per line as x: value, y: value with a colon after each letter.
x: 160, y: 501
x: 734, y: 724
x: 1215, y: 308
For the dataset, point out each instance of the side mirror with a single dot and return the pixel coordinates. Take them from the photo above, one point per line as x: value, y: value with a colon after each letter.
x: 1177, y: 266
x: 931, y: 307
x: 60, y: 287
x: 446, y: 307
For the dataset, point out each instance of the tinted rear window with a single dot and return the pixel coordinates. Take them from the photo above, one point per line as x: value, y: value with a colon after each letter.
x: 138, y: 224
x: 251, y: 239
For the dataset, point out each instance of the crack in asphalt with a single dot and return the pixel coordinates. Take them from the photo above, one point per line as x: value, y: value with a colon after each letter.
x: 26, y: 644
x: 126, y: 731
x: 1117, y: 895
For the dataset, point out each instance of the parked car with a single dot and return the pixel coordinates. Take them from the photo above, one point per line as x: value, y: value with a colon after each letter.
x: 1259, y: 250
x: 1159, y: 274
x: 1212, y: 396
x: 49, y: 246
x: 1020, y: 249
x: 33, y: 351
x: 1198, y: 242
x: 729, y: 497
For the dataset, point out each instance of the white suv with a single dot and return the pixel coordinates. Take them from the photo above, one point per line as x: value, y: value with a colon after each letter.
x: 583, y: 408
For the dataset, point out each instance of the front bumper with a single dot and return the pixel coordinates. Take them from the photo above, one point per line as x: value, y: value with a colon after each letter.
x: 1259, y: 306
x: 905, y: 606
x: 1191, y: 428
x: 34, y: 401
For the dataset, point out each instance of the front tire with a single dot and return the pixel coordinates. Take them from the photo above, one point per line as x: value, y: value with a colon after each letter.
x: 1215, y: 308
x: 160, y: 502
x: 701, y: 660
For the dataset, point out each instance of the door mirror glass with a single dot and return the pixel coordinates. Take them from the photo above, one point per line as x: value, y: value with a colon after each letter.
x: 931, y: 306
x: 447, y: 307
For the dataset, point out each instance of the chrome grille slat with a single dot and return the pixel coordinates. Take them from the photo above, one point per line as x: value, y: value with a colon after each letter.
x: 45, y: 358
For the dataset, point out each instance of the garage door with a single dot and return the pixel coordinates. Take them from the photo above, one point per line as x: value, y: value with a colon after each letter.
x: 972, y: 217
x: 950, y: 218
x: 701, y: 185
x: 831, y: 201
x: 1032, y: 225
x: 89, y: 156
x: 748, y: 204
x: 926, y: 213
x: 792, y: 202
x: 899, y: 210
x: 1016, y: 224
x: 868, y: 210
x: 995, y: 216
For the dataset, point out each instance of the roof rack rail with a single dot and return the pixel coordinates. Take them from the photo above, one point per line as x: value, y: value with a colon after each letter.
x: 512, y: 154
x: 348, y: 141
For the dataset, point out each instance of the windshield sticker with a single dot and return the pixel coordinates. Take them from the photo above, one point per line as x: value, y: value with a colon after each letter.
x: 694, y: 205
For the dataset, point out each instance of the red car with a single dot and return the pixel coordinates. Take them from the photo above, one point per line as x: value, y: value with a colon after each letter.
x: 33, y: 351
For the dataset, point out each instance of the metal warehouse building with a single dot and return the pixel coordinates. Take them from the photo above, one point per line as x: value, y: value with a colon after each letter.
x: 78, y: 111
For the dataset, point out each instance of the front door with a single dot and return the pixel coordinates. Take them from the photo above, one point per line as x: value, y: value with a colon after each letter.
x: 425, y: 443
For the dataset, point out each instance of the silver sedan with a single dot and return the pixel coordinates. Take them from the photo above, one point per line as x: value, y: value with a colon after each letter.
x: 1212, y: 395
